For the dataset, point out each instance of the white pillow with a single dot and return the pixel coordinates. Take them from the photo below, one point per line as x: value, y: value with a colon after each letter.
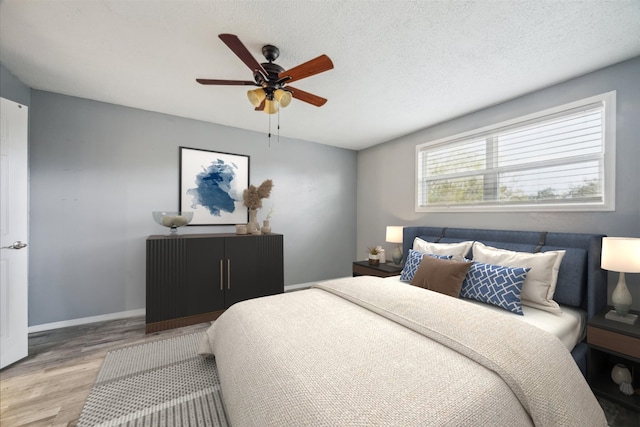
x: 540, y: 283
x: 457, y: 250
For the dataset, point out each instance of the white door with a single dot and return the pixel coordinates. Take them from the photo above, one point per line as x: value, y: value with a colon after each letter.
x: 14, y: 211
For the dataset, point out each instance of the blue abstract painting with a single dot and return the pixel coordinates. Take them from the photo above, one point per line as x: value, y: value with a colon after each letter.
x: 211, y: 186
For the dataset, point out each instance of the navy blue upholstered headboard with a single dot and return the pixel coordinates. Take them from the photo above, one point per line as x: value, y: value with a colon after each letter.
x: 581, y: 281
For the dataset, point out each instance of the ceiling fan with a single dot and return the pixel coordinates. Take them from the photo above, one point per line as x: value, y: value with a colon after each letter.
x: 273, y: 80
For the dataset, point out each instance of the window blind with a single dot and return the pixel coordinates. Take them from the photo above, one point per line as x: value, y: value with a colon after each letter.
x: 553, y: 159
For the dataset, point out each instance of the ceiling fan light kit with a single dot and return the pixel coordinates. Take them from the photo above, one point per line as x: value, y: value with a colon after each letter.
x: 283, y: 97
x: 272, y: 79
x: 256, y: 96
x: 270, y: 106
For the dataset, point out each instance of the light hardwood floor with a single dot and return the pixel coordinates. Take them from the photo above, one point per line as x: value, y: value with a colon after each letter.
x: 50, y: 386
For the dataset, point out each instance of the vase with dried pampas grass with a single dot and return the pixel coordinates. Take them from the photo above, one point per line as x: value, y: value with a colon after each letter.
x: 252, y: 198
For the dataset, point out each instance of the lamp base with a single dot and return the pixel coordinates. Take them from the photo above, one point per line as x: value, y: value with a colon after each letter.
x: 396, y: 255
x: 629, y: 319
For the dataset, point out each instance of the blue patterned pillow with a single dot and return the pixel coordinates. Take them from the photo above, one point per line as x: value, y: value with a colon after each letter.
x: 495, y: 284
x: 413, y: 262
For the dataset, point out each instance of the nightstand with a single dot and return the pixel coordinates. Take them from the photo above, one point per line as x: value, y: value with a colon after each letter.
x: 362, y: 268
x: 612, y: 342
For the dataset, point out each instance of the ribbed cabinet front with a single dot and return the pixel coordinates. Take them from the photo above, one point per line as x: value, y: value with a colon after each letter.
x: 193, y: 278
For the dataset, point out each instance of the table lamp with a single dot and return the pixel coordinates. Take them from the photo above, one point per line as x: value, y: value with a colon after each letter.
x: 394, y: 235
x: 621, y: 254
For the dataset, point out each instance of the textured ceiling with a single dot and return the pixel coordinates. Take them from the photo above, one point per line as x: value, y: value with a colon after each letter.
x: 400, y: 66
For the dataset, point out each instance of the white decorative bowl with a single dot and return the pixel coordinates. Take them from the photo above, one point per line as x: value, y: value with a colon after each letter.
x: 172, y: 219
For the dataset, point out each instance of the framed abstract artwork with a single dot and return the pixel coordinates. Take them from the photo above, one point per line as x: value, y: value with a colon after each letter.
x: 211, y: 186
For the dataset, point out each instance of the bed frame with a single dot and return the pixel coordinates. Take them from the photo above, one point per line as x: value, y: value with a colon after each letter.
x: 581, y: 281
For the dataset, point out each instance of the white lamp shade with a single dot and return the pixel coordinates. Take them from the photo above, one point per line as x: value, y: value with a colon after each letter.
x: 621, y: 254
x: 394, y: 234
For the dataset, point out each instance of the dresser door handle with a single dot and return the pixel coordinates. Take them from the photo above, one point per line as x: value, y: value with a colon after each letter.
x: 228, y: 274
x: 221, y: 277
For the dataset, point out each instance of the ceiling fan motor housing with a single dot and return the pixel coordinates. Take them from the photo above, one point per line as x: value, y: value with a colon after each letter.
x: 271, y: 83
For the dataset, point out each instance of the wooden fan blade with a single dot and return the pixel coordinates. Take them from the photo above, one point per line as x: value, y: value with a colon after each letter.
x: 307, y: 97
x: 234, y: 43
x: 261, y: 106
x: 315, y: 66
x: 226, y: 82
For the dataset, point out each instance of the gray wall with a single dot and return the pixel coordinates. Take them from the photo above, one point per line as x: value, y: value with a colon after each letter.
x: 387, y: 198
x: 12, y: 88
x: 98, y: 171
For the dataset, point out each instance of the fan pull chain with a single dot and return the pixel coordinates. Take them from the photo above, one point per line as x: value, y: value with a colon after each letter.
x: 269, y: 136
x: 278, y: 124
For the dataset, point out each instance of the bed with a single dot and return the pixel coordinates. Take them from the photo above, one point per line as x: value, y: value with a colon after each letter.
x: 373, y: 351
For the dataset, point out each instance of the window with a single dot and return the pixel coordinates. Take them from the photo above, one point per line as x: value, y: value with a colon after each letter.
x: 561, y: 159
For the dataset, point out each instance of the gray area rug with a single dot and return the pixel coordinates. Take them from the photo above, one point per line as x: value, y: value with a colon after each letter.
x: 619, y: 416
x: 162, y: 383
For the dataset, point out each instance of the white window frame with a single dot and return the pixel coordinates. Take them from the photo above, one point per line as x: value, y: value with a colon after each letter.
x: 607, y: 100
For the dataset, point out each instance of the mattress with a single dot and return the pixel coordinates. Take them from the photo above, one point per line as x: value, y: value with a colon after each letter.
x: 569, y: 326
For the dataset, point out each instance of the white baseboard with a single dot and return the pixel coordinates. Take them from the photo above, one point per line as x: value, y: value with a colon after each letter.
x: 130, y: 313
x: 87, y: 320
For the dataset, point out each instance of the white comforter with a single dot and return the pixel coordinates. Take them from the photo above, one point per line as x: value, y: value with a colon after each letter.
x: 356, y: 351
